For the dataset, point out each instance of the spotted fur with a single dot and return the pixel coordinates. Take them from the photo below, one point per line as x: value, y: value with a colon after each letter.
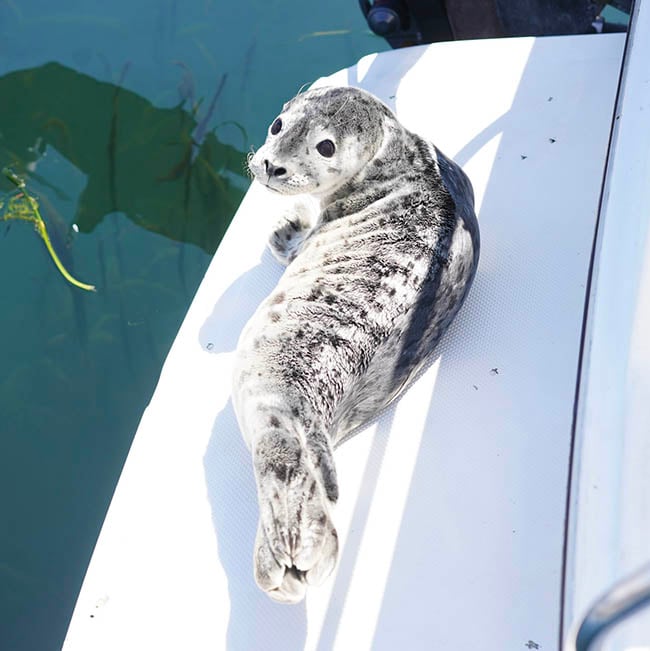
x: 378, y: 266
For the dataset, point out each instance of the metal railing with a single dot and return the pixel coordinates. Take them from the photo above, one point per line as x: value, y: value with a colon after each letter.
x: 618, y: 603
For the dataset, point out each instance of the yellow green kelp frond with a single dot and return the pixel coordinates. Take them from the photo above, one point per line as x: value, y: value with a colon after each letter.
x: 21, y: 205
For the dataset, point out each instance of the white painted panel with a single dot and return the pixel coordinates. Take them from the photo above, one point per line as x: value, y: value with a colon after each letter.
x: 452, y: 504
x: 611, y: 494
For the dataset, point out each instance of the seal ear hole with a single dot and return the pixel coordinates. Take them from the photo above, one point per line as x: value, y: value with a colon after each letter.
x: 276, y: 126
x: 326, y: 148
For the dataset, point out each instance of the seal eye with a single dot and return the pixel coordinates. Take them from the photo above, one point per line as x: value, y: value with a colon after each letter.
x: 326, y: 148
x: 276, y: 126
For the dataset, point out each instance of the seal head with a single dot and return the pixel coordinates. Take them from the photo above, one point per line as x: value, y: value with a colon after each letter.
x: 321, y: 139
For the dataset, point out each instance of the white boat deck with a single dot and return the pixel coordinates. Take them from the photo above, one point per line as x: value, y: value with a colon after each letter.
x: 452, y: 510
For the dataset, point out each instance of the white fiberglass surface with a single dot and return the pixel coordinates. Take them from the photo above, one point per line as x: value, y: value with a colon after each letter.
x: 610, y: 508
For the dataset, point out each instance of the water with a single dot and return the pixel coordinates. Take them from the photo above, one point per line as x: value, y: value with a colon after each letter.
x: 130, y: 121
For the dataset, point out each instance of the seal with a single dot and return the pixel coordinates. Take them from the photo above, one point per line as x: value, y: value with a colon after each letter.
x: 382, y: 244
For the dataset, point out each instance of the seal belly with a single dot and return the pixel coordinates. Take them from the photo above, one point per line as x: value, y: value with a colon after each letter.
x: 413, y: 339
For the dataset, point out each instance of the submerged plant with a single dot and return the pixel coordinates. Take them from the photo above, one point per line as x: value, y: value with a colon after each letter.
x: 22, y: 205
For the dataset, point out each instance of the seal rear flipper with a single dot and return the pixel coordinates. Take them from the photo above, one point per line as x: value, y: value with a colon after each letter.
x: 279, y: 582
x: 296, y: 541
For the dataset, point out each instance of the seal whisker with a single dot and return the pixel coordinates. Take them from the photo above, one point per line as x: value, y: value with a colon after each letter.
x: 247, y: 164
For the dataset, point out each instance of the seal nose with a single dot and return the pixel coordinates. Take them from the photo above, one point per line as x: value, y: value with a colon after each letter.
x: 272, y: 170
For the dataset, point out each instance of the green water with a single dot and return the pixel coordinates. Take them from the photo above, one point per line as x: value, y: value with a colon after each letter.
x: 130, y: 121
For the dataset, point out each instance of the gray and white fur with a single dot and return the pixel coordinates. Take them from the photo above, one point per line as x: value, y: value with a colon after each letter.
x: 381, y: 244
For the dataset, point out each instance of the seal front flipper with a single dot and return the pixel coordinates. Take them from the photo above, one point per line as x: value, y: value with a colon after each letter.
x: 292, y: 228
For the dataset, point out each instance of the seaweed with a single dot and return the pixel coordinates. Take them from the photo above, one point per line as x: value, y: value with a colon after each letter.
x: 20, y: 204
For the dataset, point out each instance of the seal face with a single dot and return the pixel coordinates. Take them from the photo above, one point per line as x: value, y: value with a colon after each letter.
x: 382, y: 244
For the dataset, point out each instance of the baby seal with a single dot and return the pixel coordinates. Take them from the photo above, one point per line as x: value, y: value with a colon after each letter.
x: 380, y: 258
